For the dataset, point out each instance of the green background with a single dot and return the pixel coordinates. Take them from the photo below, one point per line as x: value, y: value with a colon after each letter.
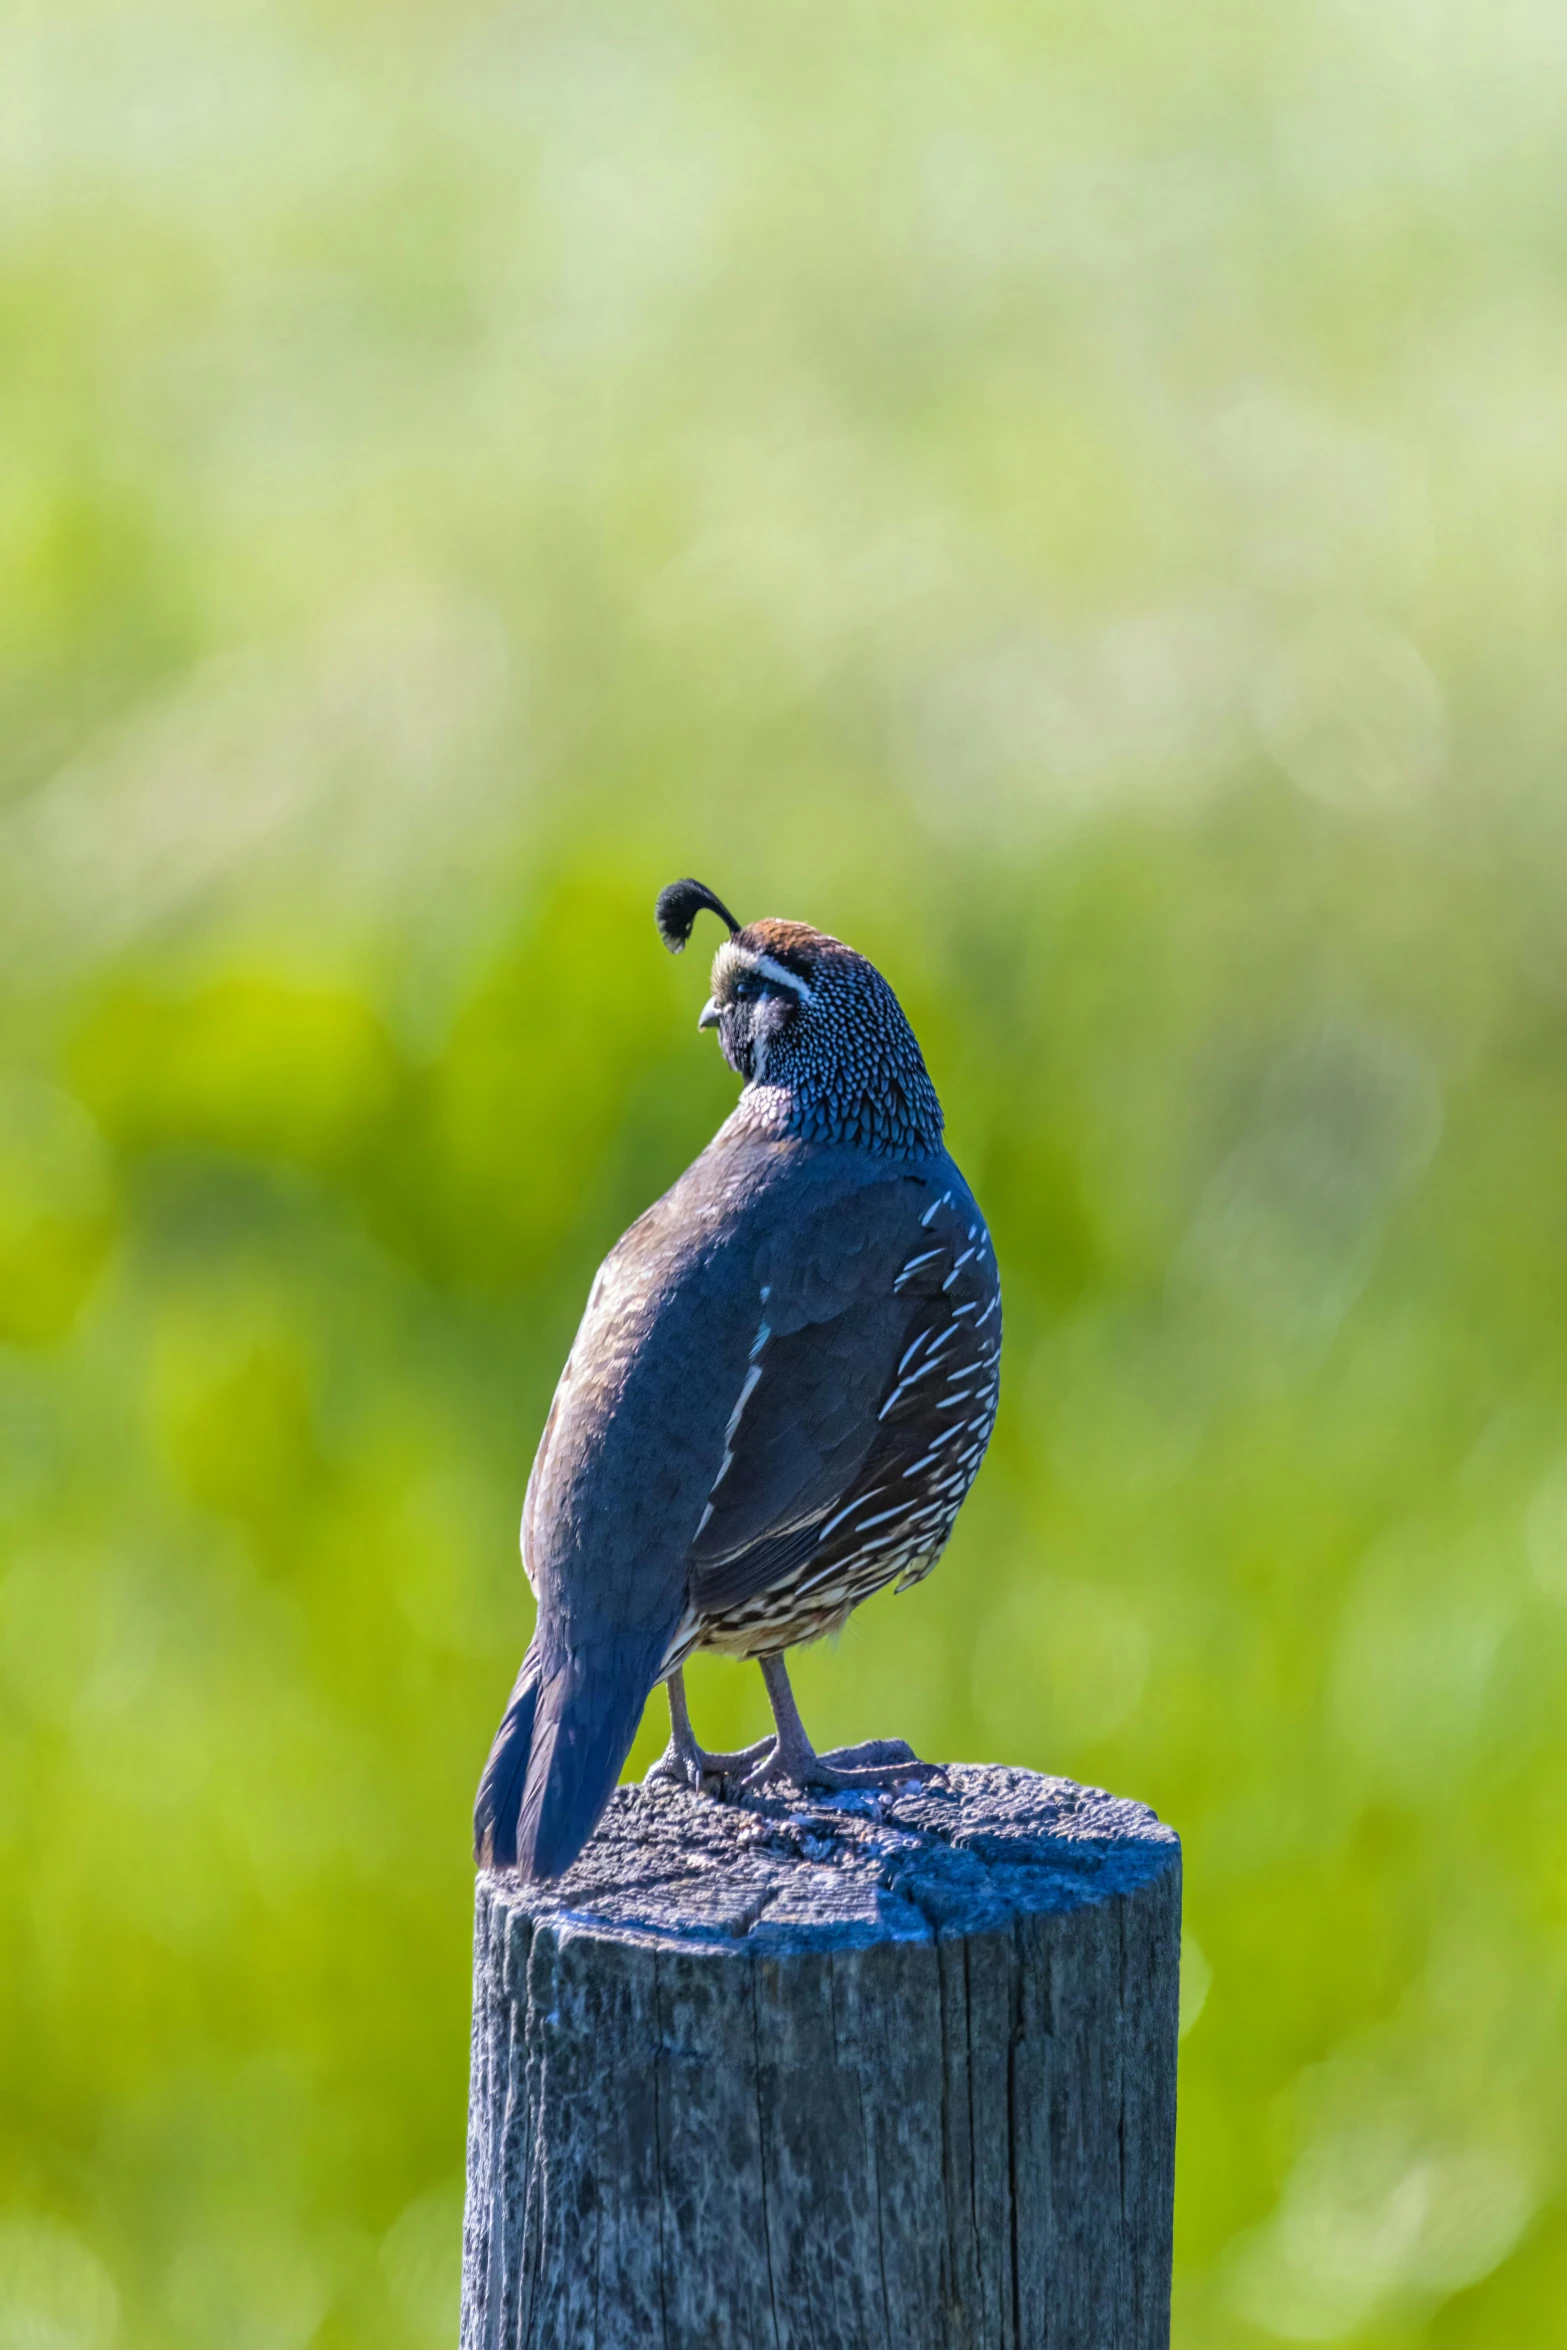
x: 1070, y: 498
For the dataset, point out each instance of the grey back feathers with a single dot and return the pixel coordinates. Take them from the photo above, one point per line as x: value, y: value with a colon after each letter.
x: 780, y: 1392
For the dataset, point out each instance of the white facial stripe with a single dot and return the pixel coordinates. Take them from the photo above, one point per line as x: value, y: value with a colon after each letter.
x: 731, y: 959
x: 784, y: 977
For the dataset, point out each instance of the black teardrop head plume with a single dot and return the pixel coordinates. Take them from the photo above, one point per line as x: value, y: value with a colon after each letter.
x: 678, y: 907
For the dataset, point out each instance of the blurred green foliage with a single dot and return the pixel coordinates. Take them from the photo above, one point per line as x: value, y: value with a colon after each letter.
x: 1071, y: 499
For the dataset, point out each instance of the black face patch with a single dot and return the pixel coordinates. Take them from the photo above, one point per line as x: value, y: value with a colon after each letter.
x: 753, y: 1014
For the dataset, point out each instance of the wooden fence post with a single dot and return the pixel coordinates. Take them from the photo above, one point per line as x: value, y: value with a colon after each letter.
x: 869, y: 2070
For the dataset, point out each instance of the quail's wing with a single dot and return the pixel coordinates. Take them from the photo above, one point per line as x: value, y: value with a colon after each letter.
x: 869, y: 1395
x: 641, y: 1421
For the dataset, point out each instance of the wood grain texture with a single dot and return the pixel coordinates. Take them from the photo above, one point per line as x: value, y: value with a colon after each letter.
x: 867, y: 2072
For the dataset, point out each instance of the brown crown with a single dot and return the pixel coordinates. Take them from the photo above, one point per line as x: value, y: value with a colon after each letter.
x: 792, y: 943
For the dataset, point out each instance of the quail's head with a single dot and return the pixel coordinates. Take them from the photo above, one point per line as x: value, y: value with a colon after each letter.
x: 799, y: 1011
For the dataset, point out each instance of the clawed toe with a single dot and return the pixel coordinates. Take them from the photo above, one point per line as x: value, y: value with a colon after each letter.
x: 876, y: 1754
x: 879, y: 1762
x: 673, y: 1769
x: 703, y: 1773
x: 770, y: 1771
x: 896, y: 1772
x: 741, y: 1760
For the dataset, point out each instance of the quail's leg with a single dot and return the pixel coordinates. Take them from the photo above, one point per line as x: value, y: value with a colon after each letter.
x: 881, y: 1762
x: 688, y: 1764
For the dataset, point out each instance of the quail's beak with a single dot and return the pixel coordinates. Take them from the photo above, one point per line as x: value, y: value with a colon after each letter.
x: 709, y: 1017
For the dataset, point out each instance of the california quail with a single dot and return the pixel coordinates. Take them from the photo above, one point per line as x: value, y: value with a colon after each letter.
x: 781, y: 1391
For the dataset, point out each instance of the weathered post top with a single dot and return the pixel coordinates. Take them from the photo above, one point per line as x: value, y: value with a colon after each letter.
x: 891, y: 2069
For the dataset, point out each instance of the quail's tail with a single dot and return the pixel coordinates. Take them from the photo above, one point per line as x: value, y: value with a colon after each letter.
x: 499, y: 1800
x: 566, y: 1732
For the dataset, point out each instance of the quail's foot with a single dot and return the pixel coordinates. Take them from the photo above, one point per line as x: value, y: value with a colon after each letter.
x: 879, y: 1762
x: 685, y: 1764
x: 697, y: 1767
